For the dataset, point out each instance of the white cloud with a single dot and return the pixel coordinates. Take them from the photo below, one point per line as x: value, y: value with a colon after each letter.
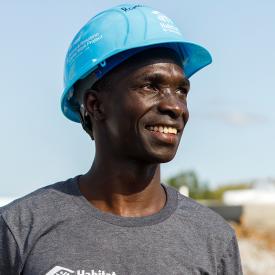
x: 242, y: 119
x: 236, y: 118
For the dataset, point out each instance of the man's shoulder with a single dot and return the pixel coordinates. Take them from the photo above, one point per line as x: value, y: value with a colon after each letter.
x: 41, y: 202
x: 203, y: 219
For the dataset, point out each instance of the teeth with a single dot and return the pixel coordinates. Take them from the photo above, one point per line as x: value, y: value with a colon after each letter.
x: 164, y: 129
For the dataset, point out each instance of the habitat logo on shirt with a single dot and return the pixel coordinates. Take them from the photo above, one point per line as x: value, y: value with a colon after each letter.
x: 59, y: 270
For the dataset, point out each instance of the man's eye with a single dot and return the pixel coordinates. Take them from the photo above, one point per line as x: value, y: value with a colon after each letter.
x: 150, y: 86
x: 182, y: 91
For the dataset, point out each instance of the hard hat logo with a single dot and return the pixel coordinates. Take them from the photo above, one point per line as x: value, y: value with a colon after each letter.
x: 165, y: 19
x: 166, y: 23
x: 137, y: 27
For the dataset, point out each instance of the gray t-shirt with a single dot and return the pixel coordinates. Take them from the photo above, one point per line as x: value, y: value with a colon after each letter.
x: 56, y: 231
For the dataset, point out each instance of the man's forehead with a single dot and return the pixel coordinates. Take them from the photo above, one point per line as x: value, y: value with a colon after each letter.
x: 145, y: 58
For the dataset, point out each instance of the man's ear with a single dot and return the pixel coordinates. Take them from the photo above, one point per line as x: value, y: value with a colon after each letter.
x: 93, y: 105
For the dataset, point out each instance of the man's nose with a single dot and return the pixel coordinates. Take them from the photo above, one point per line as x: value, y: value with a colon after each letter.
x: 171, y: 105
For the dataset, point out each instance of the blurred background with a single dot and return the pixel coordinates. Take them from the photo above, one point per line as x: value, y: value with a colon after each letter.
x: 226, y: 157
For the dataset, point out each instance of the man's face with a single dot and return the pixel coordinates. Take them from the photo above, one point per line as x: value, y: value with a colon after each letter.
x: 145, y: 108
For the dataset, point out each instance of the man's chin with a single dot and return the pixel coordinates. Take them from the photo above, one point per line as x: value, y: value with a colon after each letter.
x: 157, y: 152
x: 158, y: 157
x: 167, y: 159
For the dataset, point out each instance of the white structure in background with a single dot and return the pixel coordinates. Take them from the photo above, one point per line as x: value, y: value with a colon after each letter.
x: 5, y: 200
x: 184, y: 191
x: 263, y: 192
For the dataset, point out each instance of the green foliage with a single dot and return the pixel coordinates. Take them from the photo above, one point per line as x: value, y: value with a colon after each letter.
x: 197, y: 190
x: 200, y: 190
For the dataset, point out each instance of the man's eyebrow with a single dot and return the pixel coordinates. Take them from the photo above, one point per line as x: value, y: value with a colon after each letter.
x: 156, y: 77
x: 185, y: 82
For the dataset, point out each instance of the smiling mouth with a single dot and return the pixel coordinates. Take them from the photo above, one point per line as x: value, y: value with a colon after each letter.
x: 163, y: 129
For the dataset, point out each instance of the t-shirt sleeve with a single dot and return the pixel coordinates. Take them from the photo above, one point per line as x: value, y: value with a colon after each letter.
x: 9, y: 252
x: 230, y: 262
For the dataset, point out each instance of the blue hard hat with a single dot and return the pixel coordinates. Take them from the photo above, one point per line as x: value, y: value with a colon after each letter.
x: 114, y: 35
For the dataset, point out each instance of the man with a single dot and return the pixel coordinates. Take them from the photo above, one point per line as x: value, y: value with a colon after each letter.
x: 126, y: 81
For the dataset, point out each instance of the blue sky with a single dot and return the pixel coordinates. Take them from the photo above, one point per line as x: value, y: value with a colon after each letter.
x: 231, y: 132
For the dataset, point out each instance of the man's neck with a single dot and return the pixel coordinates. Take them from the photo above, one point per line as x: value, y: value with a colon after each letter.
x: 132, y: 191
